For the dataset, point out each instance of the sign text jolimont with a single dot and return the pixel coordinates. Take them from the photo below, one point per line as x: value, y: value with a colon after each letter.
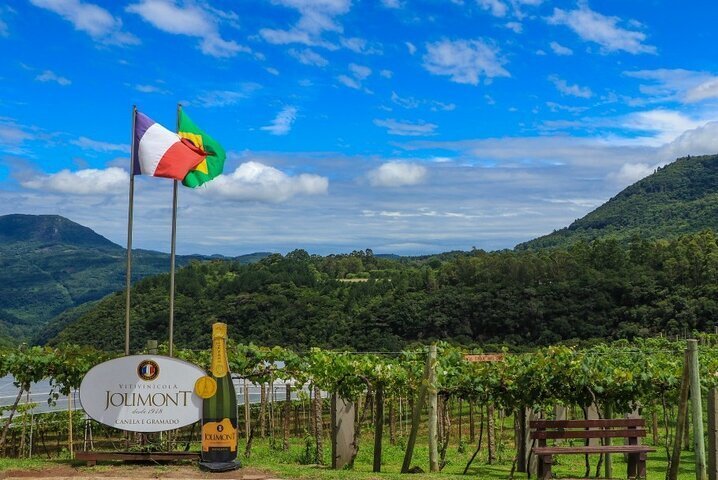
x: 142, y: 393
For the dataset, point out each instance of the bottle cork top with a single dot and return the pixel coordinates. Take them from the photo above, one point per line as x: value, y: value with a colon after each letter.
x: 219, y: 329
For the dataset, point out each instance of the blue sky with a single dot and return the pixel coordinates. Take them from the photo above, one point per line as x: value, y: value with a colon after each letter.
x: 405, y: 126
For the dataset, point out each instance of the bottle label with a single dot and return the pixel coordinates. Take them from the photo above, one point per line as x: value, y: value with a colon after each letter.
x: 219, y: 358
x: 219, y: 435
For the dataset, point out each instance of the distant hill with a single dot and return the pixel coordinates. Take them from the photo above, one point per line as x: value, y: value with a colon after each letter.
x: 50, y: 230
x: 49, y: 264
x: 603, y: 289
x: 677, y: 199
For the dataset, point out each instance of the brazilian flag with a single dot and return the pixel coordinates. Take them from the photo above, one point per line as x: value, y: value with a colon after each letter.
x: 213, y: 164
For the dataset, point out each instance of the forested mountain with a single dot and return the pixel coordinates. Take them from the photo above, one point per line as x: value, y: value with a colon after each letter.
x: 680, y: 198
x: 49, y: 264
x: 604, y: 289
x: 626, y: 283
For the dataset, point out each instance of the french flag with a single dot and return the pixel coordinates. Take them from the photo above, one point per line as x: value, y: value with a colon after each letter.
x: 161, y: 153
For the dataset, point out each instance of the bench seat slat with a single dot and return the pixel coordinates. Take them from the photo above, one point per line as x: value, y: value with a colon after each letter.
x: 602, y: 423
x: 593, y: 449
x: 562, y: 434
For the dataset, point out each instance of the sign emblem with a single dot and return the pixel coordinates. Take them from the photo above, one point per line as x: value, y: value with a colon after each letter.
x: 148, y: 370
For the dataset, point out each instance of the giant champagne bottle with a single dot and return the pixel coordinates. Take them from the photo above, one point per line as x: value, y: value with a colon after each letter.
x: 219, y: 412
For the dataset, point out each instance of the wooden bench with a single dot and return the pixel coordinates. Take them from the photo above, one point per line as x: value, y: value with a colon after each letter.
x: 631, y: 429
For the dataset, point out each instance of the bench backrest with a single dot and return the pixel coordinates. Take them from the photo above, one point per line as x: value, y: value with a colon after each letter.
x: 630, y: 428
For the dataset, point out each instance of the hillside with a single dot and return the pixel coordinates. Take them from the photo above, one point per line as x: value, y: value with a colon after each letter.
x: 49, y: 264
x: 680, y: 198
x: 604, y: 289
x: 49, y: 230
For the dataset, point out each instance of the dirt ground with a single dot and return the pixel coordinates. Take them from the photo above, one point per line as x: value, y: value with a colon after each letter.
x: 131, y: 472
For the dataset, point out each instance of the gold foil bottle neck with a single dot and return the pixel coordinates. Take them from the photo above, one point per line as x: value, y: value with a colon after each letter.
x: 219, y: 365
x: 219, y: 330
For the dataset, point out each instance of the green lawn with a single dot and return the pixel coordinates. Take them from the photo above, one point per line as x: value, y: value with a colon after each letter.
x: 567, y: 466
x: 286, y: 464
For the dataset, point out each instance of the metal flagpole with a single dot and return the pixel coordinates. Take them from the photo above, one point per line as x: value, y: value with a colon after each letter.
x: 172, y: 251
x: 128, y: 280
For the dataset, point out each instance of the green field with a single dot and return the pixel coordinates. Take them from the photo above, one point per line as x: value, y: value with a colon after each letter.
x: 286, y: 464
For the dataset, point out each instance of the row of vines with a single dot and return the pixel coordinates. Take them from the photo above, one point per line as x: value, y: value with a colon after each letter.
x: 616, y: 377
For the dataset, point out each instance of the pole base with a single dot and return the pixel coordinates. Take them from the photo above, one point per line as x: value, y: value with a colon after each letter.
x: 220, y: 466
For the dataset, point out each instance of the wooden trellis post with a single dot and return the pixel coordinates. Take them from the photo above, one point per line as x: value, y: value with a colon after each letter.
x: 713, y: 434
x: 681, y: 419
x: 416, y: 415
x: 697, y: 411
x: 433, y: 413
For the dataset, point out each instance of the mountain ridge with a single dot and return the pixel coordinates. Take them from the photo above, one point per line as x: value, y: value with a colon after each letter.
x: 677, y: 199
x: 49, y: 264
x: 49, y: 229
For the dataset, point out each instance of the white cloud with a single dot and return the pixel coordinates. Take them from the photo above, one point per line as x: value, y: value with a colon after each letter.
x: 145, y: 88
x: 407, y: 129
x: 309, y: 57
x: 559, y: 49
x: 349, y: 82
x: 411, y: 47
x: 704, y: 91
x: 224, y: 98
x: 13, y: 134
x: 89, y: 144
x: 496, y: 7
x: 594, y: 27
x: 464, y: 61
x: 4, y: 30
x: 92, y: 19
x: 685, y: 86
x: 386, y: 73
x: 406, y: 102
x: 516, y: 27
x: 110, y: 181
x: 573, y: 90
x: 282, y: 123
x: 315, y: 18
x: 359, y: 45
x: 192, y: 20
x: 254, y: 181
x: 216, y: 46
x: 630, y: 173
x: 391, y: 3
x: 702, y: 140
x: 50, y: 76
x: 556, y: 107
x: 674, y: 136
x: 411, y: 103
x: 360, y: 72
x: 664, y: 125
x: 397, y: 174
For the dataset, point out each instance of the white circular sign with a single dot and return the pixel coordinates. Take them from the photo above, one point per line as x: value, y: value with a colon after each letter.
x: 142, y: 393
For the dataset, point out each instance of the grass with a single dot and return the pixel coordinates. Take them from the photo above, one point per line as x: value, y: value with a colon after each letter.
x: 287, y: 464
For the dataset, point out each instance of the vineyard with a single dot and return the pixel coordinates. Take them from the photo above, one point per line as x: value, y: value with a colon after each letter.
x: 476, y: 401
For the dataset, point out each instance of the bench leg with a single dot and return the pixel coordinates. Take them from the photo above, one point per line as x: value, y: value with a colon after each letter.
x: 632, y: 465
x: 642, y: 465
x: 544, y: 467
